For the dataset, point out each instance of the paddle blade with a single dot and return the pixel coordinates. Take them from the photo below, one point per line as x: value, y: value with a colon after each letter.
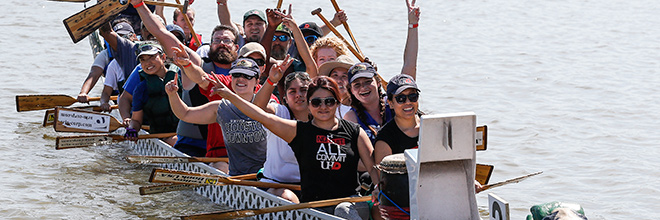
x: 72, y: 120
x: 81, y: 141
x: 39, y: 102
x: 88, y: 20
x: 483, y: 173
x: 149, y: 190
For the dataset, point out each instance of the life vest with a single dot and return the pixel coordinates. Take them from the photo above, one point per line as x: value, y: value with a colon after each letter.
x: 191, y: 42
x: 157, y: 108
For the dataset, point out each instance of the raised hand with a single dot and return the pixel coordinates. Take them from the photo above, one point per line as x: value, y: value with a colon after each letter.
x: 219, y: 88
x: 413, y: 12
x: 273, y: 18
x: 172, y: 86
x: 180, y: 56
x: 278, y: 69
x: 340, y: 17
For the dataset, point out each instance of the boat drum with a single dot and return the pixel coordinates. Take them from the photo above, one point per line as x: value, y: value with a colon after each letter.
x: 393, y: 196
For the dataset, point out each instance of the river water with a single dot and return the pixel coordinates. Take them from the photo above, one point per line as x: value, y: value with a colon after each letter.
x: 565, y: 87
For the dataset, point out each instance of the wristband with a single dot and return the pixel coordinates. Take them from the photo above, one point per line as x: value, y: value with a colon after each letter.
x: 270, y: 82
x: 138, y: 5
x: 413, y: 25
x: 220, y: 3
x: 189, y: 64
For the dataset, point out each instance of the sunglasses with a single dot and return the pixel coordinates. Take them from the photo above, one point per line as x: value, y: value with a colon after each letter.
x: 316, y: 102
x: 311, y: 39
x: 282, y: 38
x: 413, y: 97
x: 236, y: 75
x: 260, y: 62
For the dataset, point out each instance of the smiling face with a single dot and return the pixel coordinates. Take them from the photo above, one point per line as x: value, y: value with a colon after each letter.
x: 296, y: 95
x: 223, y: 49
x: 242, y: 86
x: 324, y: 55
x: 365, y: 90
x: 407, y: 109
x: 323, y: 112
x: 340, y: 76
x: 180, y: 20
x: 254, y: 28
x: 152, y: 64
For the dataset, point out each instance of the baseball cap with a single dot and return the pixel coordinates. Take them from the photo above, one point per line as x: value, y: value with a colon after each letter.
x: 282, y: 28
x: 148, y: 49
x: 176, y: 29
x: 245, y: 66
x: 399, y: 83
x: 256, y: 12
x: 360, y: 70
x: 311, y: 28
x: 123, y: 28
x: 341, y: 61
x: 252, y: 47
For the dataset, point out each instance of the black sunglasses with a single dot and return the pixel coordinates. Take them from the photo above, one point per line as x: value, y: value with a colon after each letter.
x: 413, y: 97
x: 311, y: 39
x: 316, y: 102
x: 236, y: 75
x: 282, y: 38
x: 260, y: 62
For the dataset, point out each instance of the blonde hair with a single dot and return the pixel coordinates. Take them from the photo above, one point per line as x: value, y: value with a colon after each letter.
x: 331, y: 42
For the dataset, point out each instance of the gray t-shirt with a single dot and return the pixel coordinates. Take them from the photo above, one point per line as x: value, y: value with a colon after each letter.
x: 245, y: 139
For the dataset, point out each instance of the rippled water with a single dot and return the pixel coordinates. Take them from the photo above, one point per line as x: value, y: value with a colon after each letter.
x: 565, y: 87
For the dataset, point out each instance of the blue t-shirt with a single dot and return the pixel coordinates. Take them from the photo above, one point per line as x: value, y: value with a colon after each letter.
x: 140, y: 96
x: 133, y: 80
x: 221, y: 71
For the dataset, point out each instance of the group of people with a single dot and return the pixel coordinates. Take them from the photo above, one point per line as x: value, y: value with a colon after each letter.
x: 276, y: 97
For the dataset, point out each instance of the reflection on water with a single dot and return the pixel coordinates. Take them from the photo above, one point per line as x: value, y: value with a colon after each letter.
x: 565, y: 87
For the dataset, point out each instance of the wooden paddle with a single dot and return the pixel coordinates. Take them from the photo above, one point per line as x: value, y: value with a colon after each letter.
x: 73, y: 120
x: 159, y: 175
x: 184, y: 11
x: 91, y: 140
x: 348, y: 29
x: 88, y: 20
x: 40, y: 102
x: 279, y: 4
x: 514, y: 180
x: 483, y: 173
x: 166, y: 159
x: 253, y: 212
x: 161, y: 188
x: 49, y: 117
x: 482, y: 137
x: 350, y: 47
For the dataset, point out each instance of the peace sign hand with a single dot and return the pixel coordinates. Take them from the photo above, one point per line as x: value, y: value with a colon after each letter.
x: 413, y: 12
x: 219, y: 88
x: 180, y: 56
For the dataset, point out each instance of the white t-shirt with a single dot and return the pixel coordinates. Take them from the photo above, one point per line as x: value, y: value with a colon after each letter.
x: 203, y: 51
x: 342, y: 110
x: 102, y: 59
x: 281, y: 164
x: 113, y: 74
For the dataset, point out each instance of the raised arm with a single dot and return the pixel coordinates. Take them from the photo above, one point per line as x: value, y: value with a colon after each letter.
x: 276, y: 73
x: 283, y: 128
x: 192, y: 71
x: 410, y: 52
x: 109, y: 35
x: 274, y: 20
x: 301, y: 44
x: 166, y: 39
x: 337, y: 20
x: 204, y: 114
x: 223, y: 14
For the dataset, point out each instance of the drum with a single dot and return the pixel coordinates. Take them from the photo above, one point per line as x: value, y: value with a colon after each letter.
x: 393, y: 196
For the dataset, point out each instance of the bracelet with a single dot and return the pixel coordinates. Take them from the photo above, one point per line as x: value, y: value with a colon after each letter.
x: 270, y: 82
x: 189, y: 64
x: 138, y: 5
x: 413, y: 25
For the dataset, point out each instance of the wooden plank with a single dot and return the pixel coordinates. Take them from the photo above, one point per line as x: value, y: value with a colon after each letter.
x: 483, y: 173
x: 88, y: 20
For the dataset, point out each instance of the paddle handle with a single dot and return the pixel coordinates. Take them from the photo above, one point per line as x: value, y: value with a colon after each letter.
x: 348, y: 29
x: 279, y: 3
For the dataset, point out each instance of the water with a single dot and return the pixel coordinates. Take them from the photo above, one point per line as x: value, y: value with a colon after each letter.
x: 565, y: 87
